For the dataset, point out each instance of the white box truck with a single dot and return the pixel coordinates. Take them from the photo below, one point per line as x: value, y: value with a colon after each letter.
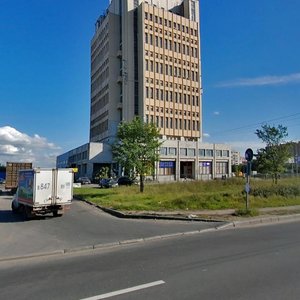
x: 43, y: 191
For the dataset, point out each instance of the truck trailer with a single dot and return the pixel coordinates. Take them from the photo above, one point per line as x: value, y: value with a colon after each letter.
x: 43, y: 191
x: 12, y: 173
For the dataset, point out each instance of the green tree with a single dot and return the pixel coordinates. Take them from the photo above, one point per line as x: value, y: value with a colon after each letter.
x: 104, y: 172
x: 136, y: 148
x: 273, y: 157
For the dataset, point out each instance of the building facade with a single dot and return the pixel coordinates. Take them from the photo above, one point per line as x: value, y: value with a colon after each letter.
x: 145, y: 61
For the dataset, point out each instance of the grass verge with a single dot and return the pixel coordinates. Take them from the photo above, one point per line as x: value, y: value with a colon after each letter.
x: 195, y: 195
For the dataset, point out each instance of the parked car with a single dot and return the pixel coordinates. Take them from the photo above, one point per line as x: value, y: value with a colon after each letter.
x: 84, y: 180
x: 108, y: 183
x: 124, y: 180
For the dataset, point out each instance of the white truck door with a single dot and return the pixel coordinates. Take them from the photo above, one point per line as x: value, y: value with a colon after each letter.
x: 43, y: 187
x: 64, y: 186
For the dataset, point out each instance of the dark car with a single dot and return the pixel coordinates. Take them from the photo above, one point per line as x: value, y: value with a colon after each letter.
x: 124, y: 180
x: 84, y: 180
x: 108, y: 183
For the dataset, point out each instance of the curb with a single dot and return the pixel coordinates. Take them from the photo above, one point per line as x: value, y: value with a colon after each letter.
x: 261, y: 221
x: 228, y: 225
x: 123, y: 215
x: 105, y: 245
x: 265, y: 221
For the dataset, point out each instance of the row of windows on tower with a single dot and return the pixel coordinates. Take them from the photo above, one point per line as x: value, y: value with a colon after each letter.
x: 168, y: 23
x: 168, y: 110
x: 171, y: 70
x: 172, y: 96
x: 171, y: 45
x: 167, y: 58
x: 173, y: 123
x: 179, y: 86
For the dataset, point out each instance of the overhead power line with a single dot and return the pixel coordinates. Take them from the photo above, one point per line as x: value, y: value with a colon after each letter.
x: 257, y: 124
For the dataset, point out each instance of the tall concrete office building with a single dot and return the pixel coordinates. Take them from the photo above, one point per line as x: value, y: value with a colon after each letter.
x: 145, y: 61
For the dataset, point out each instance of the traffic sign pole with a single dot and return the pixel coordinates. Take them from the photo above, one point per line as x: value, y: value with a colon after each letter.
x: 249, y: 157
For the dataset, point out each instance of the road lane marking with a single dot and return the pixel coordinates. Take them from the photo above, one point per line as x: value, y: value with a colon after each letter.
x: 124, y: 291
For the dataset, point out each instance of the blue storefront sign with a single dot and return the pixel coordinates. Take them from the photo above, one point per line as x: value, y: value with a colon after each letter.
x: 167, y: 164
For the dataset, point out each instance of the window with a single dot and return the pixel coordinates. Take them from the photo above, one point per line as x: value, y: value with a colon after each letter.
x: 161, y: 94
x: 172, y: 151
x: 205, y: 168
x: 191, y: 152
x: 151, y: 93
x: 201, y: 152
x: 183, y: 151
x: 163, y: 151
x: 222, y: 168
x: 219, y: 153
x: 166, y: 168
x: 225, y: 153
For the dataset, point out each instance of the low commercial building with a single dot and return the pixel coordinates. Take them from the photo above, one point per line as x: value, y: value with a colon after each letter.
x: 88, y: 159
x: 179, y: 160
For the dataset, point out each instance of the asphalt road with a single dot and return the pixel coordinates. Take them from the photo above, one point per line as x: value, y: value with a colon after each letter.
x: 82, y: 226
x: 246, y: 263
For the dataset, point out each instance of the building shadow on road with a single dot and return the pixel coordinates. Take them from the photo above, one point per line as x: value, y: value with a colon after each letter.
x: 7, y: 216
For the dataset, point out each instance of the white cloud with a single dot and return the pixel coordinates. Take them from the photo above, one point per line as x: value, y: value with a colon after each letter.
x: 261, y: 81
x: 206, y: 135
x: 216, y: 113
x: 18, y: 146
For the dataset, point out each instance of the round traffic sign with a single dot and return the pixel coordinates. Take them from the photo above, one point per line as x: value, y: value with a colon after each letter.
x: 249, y: 154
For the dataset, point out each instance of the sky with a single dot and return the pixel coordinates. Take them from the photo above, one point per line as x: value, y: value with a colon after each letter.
x: 250, y: 73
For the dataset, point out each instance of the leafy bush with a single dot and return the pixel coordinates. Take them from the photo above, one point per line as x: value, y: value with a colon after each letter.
x: 247, y: 212
x: 277, y: 190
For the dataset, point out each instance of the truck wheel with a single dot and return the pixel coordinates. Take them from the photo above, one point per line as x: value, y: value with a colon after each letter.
x: 14, y: 209
x: 57, y: 213
x: 28, y: 212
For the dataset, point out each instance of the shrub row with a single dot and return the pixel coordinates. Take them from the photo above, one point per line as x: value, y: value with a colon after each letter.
x: 284, y: 191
